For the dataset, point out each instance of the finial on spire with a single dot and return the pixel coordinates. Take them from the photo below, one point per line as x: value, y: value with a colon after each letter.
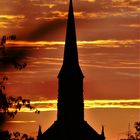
x: 39, y: 133
x: 102, y: 133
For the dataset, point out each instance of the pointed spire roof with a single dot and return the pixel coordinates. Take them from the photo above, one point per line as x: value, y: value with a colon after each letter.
x: 102, y: 133
x: 70, y: 53
x: 70, y: 62
x: 39, y: 133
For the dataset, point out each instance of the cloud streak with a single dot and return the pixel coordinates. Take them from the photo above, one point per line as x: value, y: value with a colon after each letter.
x: 51, y: 105
x: 34, y: 16
x: 104, y: 43
x: 20, y: 122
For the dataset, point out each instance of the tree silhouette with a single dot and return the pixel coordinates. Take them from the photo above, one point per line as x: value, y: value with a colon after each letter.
x: 11, y: 105
x: 3, y: 41
x: 6, y: 135
x: 5, y: 58
x: 136, y: 135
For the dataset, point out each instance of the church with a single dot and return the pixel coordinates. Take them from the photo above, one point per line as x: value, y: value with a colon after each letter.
x: 70, y: 123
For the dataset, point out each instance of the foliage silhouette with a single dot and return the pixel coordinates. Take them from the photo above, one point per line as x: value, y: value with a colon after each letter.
x: 5, y: 58
x: 137, y: 127
x: 6, y: 135
x: 11, y: 105
x: 136, y: 135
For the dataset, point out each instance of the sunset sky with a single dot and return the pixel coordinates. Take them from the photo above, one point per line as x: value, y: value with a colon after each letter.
x: 108, y: 35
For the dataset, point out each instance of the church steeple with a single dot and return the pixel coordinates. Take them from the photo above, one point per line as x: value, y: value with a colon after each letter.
x: 70, y: 123
x: 70, y: 98
x: 70, y: 62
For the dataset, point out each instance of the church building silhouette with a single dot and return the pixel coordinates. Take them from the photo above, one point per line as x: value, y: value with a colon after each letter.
x: 70, y: 123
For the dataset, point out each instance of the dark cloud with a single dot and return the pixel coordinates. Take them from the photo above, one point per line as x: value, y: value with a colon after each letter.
x: 12, y: 58
x: 41, y: 22
x: 114, y: 29
x: 43, y: 30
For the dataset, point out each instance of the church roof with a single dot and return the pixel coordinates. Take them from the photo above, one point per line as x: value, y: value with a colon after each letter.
x: 59, y: 131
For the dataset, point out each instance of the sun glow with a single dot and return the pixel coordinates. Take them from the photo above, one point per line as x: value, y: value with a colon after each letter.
x: 12, y: 16
x: 19, y: 122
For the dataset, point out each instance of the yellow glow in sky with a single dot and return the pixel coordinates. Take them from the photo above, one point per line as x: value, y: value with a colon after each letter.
x: 12, y: 16
x: 51, y: 105
x: 96, y: 42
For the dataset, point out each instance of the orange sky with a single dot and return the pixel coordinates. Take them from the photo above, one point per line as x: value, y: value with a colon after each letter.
x: 108, y: 34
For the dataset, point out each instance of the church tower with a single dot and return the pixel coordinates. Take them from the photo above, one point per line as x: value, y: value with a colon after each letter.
x: 70, y: 77
x: 70, y: 123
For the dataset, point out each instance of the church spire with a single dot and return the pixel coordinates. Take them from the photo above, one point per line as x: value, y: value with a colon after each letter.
x: 70, y: 53
x: 70, y: 61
